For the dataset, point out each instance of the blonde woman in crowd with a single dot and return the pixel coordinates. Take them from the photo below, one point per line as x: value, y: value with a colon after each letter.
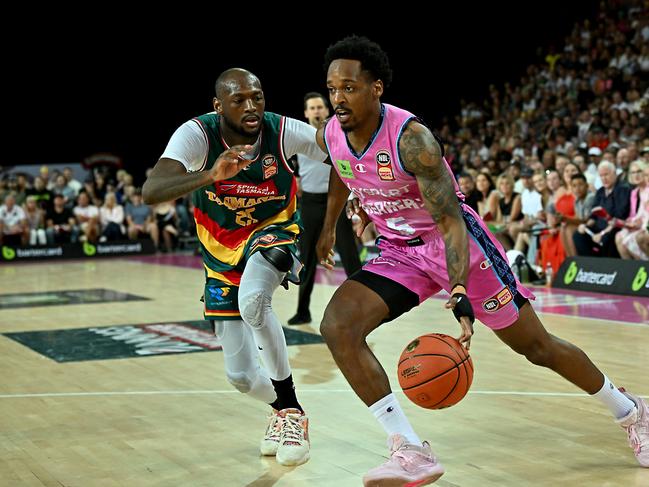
x: 165, y: 216
x: 626, y: 240
x: 36, y: 222
x: 111, y: 217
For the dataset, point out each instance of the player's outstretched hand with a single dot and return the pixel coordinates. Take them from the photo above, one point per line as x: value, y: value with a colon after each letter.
x: 230, y: 162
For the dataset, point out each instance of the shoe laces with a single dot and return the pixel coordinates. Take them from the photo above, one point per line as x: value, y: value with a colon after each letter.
x: 292, y: 431
x: 634, y: 439
x: 410, y: 458
x: 274, y: 428
x: 636, y: 431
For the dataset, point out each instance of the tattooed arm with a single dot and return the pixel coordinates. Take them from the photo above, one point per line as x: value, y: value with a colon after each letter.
x: 422, y: 156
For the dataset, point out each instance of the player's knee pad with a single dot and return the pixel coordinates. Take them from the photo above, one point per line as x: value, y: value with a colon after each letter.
x: 279, y: 257
x: 252, y: 307
x: 240, y: 381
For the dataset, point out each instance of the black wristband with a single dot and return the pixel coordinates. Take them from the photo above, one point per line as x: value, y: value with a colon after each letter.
x: 462, y: 307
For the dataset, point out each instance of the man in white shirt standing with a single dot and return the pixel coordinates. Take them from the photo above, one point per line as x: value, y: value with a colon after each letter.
x: 313, y: 180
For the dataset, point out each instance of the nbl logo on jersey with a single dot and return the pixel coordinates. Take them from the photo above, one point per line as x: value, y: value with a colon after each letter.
x: 384, y: 166
x: 269, y: 164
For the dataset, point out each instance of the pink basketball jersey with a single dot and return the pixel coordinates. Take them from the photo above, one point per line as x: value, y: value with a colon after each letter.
x: 388, y: 193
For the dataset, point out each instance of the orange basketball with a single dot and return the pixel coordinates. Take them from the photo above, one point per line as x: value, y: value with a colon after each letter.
x: 435, y: 371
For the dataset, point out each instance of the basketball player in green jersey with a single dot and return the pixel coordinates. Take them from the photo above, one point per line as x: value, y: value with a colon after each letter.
x: 235, y: 162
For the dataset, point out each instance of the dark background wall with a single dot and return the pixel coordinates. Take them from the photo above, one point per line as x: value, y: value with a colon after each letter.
x: 124, y: 90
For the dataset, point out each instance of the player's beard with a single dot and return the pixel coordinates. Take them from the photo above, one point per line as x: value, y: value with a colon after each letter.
x: 240, y: 130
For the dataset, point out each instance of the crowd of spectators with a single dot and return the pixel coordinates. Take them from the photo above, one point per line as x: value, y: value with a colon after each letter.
x: 55, y: 209
x: 558, y: 163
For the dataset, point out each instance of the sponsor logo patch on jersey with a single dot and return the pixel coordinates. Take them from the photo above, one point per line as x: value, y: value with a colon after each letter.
x: 218, y: 293
x: 267, y: 188
x: 498, y: 301
x: 345, y: 169
x: 269, y: 164
x: 360, y: 168
x: 268, y: 239
x: 384, y: 166
x: 485, y: 264
x: 383, y: 260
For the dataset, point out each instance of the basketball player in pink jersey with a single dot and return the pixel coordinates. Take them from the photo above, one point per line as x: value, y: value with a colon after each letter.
x: 430, y: 240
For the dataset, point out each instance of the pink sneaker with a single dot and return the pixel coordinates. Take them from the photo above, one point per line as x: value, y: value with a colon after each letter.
x: 636, y: 424
x: 409, y: 466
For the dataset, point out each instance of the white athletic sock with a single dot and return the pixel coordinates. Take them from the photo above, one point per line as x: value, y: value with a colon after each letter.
x: 242, y: 360
x: 389, y: 413
x: 612, y: 398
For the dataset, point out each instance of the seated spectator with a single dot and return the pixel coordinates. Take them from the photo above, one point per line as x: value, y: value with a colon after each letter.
x: 128, y: 194
x: 577, y: 212
x: 20, y: 190
x: 111, y: 218
x: 88, y: 217
x: 508, y: 210
x: 36, y: 222
x: 594, y: 158
x: 636, y: 173
x: 569, y: 170
x: 612, y: 200
x: 44, y: 174
x: 60, y: 222
x: 622, y: 163
x: 182, y: 214
x: 165, y: 215
x: 124, y: 189
x: 139, y: 219
x: 530, y: 239
x: 531, y: 207
x: 626, y: 240
x: 119, y: 183
x: 43, y: 195
x: 71, y: 182
x: 467, y: 186
x: 61, y: 187
x: 552, y: 251
x: 485, y: 186
x: 541, y: 187
x: 100, y: 187
x: 89, y: 188
x: 13, y: 223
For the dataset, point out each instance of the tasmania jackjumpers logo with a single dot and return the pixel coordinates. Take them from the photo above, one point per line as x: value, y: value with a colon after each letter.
x: 269, y: 163
x: 384, y: 166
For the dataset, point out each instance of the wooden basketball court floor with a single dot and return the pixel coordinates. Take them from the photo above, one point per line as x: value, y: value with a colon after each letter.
x: 173, y: 420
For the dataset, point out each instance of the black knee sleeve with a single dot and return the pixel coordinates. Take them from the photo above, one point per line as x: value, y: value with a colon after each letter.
x: 280, y: 257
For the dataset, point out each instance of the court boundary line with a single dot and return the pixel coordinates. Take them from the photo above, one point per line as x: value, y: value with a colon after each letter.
x: 302, y: 391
